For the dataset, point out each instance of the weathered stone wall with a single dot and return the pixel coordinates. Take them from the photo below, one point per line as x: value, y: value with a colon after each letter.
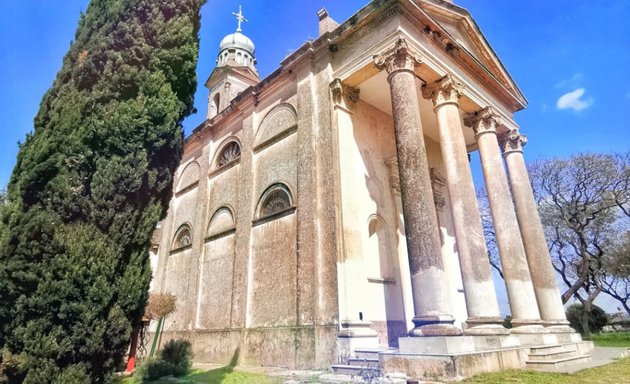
x: 245, y: 287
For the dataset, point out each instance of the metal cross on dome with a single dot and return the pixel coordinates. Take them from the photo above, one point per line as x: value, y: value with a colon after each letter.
x: 240, y: 18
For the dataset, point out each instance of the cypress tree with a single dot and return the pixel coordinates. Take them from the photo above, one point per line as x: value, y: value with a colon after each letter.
x: 90, y: 183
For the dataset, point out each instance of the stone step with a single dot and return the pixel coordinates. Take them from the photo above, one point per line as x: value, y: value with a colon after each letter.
x: 363, y: 362
x: 366, y: 353
x: 552, y: 355
x: 544, y: 349
x: 350, y: 369
x: 337, y: 378
x: 552, y: 364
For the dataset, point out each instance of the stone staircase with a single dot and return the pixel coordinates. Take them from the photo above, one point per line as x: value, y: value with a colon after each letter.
x: 551, y: 357
x: 365, y: 360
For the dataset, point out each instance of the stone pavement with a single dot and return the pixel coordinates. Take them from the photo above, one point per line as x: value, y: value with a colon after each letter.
x: 599, y: 356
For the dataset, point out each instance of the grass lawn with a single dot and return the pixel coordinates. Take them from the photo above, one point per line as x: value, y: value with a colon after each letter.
x: 615, y: 373
x: 225, y: 375
x: 618, y: 339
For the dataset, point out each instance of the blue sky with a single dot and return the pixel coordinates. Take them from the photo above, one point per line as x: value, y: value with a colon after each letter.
x: 571, y: 58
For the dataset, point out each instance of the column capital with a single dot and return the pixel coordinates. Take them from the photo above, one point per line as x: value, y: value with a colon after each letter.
x: 512, y: 141
x: 398, y: 58
x: 343, y: 96
x: 445, y: 90
x: 483, y: 121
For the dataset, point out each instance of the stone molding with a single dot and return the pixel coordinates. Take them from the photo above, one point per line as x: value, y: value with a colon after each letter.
x: 512, y: 141
x: 398, y: 58
x: 443, y: 91
x: 343, y: 95
x: 483, y: 121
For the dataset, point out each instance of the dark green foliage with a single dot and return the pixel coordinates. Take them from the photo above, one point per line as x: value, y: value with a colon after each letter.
x: 179, y: 354
x: 175, y: 359
x: 89, y: 186
x: 597, y: 318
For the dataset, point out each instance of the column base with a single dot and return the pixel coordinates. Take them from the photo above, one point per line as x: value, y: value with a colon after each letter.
x: 447, y: 345
x: 434, y: 325
x: 558, y: 326
x: 353, y: 335
x: 356, y: 329
x: 483, y: 326
x: 527, y: 327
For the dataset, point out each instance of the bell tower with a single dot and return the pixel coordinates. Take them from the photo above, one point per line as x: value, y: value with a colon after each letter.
x: 235, y: 70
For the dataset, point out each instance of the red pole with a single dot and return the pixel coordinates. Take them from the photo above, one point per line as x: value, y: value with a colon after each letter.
x: 131, y: 362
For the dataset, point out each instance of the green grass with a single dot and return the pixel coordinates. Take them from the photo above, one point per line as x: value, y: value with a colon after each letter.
x: 615, y: 373
x: 225, y: 375
x: 618, y: 339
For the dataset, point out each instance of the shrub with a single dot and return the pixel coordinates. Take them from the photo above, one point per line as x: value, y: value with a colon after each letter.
x: 12, y: 368
x: 154, y: 369
x: 174, y: 359
x: 597, y: 318
x: 179, y: 354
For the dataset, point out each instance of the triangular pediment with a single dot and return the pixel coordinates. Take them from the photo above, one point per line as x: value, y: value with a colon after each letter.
x: 244, y: 73
x: 462, y: 29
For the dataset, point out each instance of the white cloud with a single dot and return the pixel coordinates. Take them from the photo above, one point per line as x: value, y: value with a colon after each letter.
x: 573, y: 100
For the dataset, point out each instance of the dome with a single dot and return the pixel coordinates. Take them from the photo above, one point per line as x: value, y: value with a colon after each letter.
x: 237, y: 40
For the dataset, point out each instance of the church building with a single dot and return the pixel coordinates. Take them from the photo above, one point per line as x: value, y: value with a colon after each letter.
x: 327, y: 212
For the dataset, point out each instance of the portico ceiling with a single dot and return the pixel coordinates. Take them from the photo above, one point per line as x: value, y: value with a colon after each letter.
x: 375, y: 91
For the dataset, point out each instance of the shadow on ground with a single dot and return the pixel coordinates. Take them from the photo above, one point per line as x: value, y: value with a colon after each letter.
x: 218, y: 375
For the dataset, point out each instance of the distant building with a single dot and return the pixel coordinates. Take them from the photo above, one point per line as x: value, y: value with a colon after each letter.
x: 330, y: 207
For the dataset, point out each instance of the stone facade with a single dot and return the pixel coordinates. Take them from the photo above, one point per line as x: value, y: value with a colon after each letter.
x: 330, y: 206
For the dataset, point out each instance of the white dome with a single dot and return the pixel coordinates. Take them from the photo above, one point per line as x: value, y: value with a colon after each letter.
x: 237, y: 40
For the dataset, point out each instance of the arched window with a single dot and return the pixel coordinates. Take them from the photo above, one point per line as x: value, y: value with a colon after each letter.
x: 275, y: 200
x: 229, y: 153
x: 183, y: 238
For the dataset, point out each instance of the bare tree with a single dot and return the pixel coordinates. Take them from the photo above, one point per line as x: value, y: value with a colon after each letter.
x: 615, y: 279
x: 583, y: 202
x: 488, y: 230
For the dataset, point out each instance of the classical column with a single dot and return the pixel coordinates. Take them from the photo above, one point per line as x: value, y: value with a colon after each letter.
x: 542, y: 272
x: 431, y: 299
x: 525, y: 315
x: 480, y: 294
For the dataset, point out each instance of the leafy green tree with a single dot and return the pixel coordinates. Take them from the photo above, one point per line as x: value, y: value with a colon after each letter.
x: 89, y: 185
x: 596, y: 319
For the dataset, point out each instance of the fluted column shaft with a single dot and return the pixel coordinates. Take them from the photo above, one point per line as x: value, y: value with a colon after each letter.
x: 513, y: 260
x: 479, y: 290
x: 540, y: 266
x: 431, y: 299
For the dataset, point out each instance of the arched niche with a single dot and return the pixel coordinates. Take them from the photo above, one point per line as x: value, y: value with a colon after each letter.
x: 222, y: 221
x: 189, y: 176
x: 280, y: 121
x: 183, y: 238
x: 276, y: 199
